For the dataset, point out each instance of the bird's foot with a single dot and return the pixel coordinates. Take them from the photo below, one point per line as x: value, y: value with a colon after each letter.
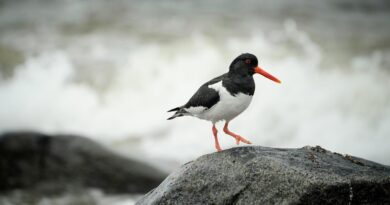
x: 236, y: 136
x: 241, y: 139
x: 218, y: 148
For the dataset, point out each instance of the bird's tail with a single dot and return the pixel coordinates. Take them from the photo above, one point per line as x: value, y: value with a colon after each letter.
x: 179, y: 112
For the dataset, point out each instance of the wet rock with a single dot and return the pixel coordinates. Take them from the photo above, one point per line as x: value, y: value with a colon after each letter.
x: 260, y: 175
x: 62, y: 163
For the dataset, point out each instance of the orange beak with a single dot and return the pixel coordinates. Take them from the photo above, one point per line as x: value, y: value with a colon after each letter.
x: 267, y: 75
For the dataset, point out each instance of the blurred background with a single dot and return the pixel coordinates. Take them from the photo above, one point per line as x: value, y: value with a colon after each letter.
x: 110, y: 70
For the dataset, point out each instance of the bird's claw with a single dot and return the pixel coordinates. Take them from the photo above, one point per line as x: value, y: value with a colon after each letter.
x: 239, y: 138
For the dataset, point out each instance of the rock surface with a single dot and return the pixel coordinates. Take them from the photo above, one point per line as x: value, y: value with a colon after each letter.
x: 54, y: 164
x: 260, y: 175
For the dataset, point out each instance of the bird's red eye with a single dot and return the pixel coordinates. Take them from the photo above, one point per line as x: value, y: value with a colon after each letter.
x: 247, y: 61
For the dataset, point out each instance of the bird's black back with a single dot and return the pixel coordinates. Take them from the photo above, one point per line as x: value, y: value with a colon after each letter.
x: 205, y: 96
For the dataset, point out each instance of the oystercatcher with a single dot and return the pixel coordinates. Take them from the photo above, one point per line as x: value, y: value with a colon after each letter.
x: 226, y: 96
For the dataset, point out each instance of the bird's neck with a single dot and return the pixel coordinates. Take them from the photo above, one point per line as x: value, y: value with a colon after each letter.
x: 240, y: 84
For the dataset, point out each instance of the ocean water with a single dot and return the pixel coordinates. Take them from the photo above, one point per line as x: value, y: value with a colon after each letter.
x: 111, y: 69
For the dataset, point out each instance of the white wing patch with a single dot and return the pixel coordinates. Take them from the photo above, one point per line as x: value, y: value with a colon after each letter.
x: 216, y: 86
x: 195, y: 110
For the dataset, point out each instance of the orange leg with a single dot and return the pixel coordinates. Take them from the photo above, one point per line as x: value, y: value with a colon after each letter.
x: 236, y: 136
x: 215, y: 131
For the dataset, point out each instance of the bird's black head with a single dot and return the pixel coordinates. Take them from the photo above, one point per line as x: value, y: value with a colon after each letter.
x: 244, y: 65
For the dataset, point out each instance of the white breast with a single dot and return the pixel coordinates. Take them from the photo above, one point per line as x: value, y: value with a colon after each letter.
x: 228, y: 106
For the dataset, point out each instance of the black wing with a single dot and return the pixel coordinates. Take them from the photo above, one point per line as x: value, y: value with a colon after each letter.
x: 205, y: 96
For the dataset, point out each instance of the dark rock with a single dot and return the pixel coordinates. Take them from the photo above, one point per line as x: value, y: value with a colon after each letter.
x: 54, y: 164
x: 260, y: 175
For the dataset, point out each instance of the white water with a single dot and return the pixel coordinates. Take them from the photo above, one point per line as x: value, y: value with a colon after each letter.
x: 111, y: 71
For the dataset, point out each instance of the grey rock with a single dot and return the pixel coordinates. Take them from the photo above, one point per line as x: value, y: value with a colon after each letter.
x: 261, y: 175
x: 63, y: 163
